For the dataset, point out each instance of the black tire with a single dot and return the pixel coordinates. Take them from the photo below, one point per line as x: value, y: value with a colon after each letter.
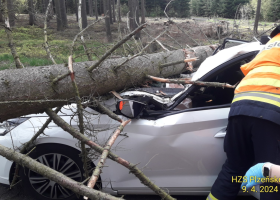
x: 66, y: 159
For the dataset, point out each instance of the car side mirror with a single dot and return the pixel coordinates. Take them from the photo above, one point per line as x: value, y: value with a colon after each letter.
x: 130, y: 108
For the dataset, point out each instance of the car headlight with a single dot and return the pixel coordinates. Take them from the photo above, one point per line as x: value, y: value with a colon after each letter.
x: 10, y: 124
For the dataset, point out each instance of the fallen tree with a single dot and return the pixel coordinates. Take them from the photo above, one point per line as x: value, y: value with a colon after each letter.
x: 32, y: 90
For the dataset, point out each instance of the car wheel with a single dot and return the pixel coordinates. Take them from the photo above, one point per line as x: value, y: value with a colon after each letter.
x: 60, y: 157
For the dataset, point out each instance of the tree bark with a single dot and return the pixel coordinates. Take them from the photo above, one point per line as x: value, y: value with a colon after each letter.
x: 109, y: 2
x: 134, y: 15
x: 31, y: 12
x: 45, y: 3
x: 53, y: 175
x: 119, y: 11
x: 90, y: 8
x: 96, y: 9
x: 11, y: 12
x: 114, y: 11
x: 143, y: 20
x: 84, y: 14
x: 107, y: 20
x: 30, y: 90
x: 258, y: 13
x: 63, y: 13
x: 1, y: 11
x: 60, y: 26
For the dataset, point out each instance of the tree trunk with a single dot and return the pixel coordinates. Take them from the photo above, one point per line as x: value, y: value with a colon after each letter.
x: 30, y: 90
x: 134, y: 15
x: 90, y: 8
x: 114, y: 11
x: 96, y: 9
x: 45, y: 3
x: 107, y: 21
x: 76, y: 10
x: 31, y: 12
x: 119, y: 11
x: 11, y: 12
x: 1, y: 12
x: 258, y: 13
x: 60, y: 26
x: 84, y: 14
x: 109, y: 2
x: 143, y: 20
x: 63, y: 13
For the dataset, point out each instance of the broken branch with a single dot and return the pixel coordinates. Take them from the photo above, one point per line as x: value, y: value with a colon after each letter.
x: 46, y: 35
x: 27, y: 145
x: 183, y: 81
x: 53, y: 175
x: 108, y: 53
x: 100, y: 165
x: 133, y: 169
x: 178, y: 62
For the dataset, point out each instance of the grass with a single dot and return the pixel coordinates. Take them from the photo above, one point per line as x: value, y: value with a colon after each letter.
x: 29, y: 45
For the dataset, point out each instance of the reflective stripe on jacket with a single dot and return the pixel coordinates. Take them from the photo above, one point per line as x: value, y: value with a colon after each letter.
x: 258, y: 94
x: 268, y: 56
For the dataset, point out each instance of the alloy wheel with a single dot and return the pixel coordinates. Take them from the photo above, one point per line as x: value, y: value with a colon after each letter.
x: 51, y: 189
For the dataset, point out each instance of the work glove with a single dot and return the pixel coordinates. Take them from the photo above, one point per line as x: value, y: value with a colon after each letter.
x: 256, y: 172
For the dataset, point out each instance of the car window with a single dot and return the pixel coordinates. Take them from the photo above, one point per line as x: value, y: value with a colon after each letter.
x: 210, y: 96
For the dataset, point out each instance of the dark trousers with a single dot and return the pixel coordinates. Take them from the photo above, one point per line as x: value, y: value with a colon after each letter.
x: 248, y: 141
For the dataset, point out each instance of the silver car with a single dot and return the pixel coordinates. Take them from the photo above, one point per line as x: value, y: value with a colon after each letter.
x: 177, y: 139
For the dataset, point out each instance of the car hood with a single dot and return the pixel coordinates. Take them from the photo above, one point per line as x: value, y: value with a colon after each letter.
x: 225, y: 55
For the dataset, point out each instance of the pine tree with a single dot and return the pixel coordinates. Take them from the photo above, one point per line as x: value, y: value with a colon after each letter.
x: 194, y: 7
x: 274, y: 11
x: 182, y: 8
x: 216, y: 8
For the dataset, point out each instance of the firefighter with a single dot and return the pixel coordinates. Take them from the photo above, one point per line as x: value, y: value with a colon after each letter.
x: 253, y: 132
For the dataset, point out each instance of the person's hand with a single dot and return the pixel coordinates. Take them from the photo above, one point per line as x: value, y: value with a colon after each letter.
x: 255, y: 171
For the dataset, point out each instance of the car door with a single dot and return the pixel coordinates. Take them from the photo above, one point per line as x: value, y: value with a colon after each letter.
x: 178, y: 152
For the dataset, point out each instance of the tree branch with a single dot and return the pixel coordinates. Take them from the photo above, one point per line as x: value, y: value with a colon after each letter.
x: 108, y: 53
x: 46, y: 35
x: 200, y: 83
x: 28, y: 144
x: 104, y: 155
x: 53, y: 175
x: 133, y: 169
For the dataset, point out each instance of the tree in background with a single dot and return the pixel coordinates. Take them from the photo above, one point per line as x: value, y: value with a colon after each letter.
x: 90, y: 8
x: 216, y: 8
x: 1, y: 12
x: 134, y: 15
x: 63, y: 13
x: 96, y: 9
x: 60, y: 26
x: 143, y: 20
x: 11, y: 12
x: 119, y: 11
x: 274, y: 11
x: 257, y: 18
x: 182, y: 8
x: 107, y: 20
x: 84, y: 14
x: 31, y: 12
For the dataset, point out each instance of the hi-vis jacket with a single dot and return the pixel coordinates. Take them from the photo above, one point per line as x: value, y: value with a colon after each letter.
x: 258, y: 94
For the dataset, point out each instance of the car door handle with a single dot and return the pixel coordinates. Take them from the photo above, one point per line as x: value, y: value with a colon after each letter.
x: 222, y: 133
